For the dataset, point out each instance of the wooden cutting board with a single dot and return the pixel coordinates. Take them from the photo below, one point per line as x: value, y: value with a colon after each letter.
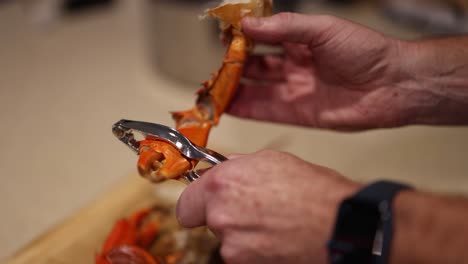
x: 77, y: 239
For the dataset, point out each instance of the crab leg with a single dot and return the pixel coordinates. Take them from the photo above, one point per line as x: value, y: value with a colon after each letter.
x: 214, y: 98
x: 159, y: 160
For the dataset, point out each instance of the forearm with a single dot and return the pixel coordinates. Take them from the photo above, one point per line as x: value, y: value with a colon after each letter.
x: 435, y: 75
x: 430, y: 229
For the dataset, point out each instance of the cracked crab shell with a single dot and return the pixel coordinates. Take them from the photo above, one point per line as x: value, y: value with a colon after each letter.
x: 232, y: 11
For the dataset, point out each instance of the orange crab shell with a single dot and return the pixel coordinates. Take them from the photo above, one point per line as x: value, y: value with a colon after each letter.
x: 128, y: 240
x: 160, y: 161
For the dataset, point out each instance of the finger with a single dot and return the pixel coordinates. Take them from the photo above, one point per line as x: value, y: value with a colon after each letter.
x: 299, y: 54
x: 265, y: 68
x: 261, y: 102
x: 191, y: 206
x: 191, y: 209
x: 287, y: 27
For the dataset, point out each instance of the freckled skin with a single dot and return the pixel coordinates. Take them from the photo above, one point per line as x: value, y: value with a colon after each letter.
x: 250, y: 207
x: 339, y: 75
x: 272, y: 207
x: 323, y: 80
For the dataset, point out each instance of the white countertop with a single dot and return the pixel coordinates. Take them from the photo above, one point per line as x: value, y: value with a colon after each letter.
x: 62, y: 89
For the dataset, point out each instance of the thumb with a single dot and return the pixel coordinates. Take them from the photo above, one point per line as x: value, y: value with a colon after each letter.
x: 287, y: 27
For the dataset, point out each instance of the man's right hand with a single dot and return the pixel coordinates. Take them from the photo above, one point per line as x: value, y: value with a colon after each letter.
x: 335, y: 74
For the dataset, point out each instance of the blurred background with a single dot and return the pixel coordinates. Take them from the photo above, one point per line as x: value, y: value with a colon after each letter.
x: 69, y: 69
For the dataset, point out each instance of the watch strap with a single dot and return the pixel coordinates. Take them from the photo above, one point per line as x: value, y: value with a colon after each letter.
x: 383, y: 193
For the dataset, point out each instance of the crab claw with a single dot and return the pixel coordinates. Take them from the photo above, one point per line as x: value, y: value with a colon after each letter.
x: 160, y: 161
x: 129, y: 238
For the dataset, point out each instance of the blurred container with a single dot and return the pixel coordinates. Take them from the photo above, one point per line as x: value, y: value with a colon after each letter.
x: 43, y: 13
x: 286, y: 5
x: 74, y: 6
x: 183, y: 46
x: 432, y: 16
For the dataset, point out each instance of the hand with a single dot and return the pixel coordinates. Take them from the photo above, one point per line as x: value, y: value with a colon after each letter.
x: 333, y: 74
x: 268, y: 207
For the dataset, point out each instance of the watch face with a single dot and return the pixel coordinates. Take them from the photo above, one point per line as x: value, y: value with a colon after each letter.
x: 360, y: 222
x: 355, y: 232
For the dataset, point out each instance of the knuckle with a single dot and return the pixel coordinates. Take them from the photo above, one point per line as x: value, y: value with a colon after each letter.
x: 267, y: 152
x: 218, y: 222
x: 276, y: 157
x: 285, y: 16
x: 216, y: 182
x: 271, y: 154
x: 329, y: 27
x: 223, y: 177
x: 328, y: 22
x: 328, y: 19
x: 286, y: 20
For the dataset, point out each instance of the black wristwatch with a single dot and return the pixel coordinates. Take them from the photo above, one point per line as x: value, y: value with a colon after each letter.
x: 363, y: 230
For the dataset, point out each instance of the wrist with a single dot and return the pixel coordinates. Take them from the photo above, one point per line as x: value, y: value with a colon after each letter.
x: 335, y: 198
x: 404, y: 246
x: 363, y: 231
x: 433, y: 79
x: 345, y: 190
x: 405, y: 99
x: 429, y: 229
